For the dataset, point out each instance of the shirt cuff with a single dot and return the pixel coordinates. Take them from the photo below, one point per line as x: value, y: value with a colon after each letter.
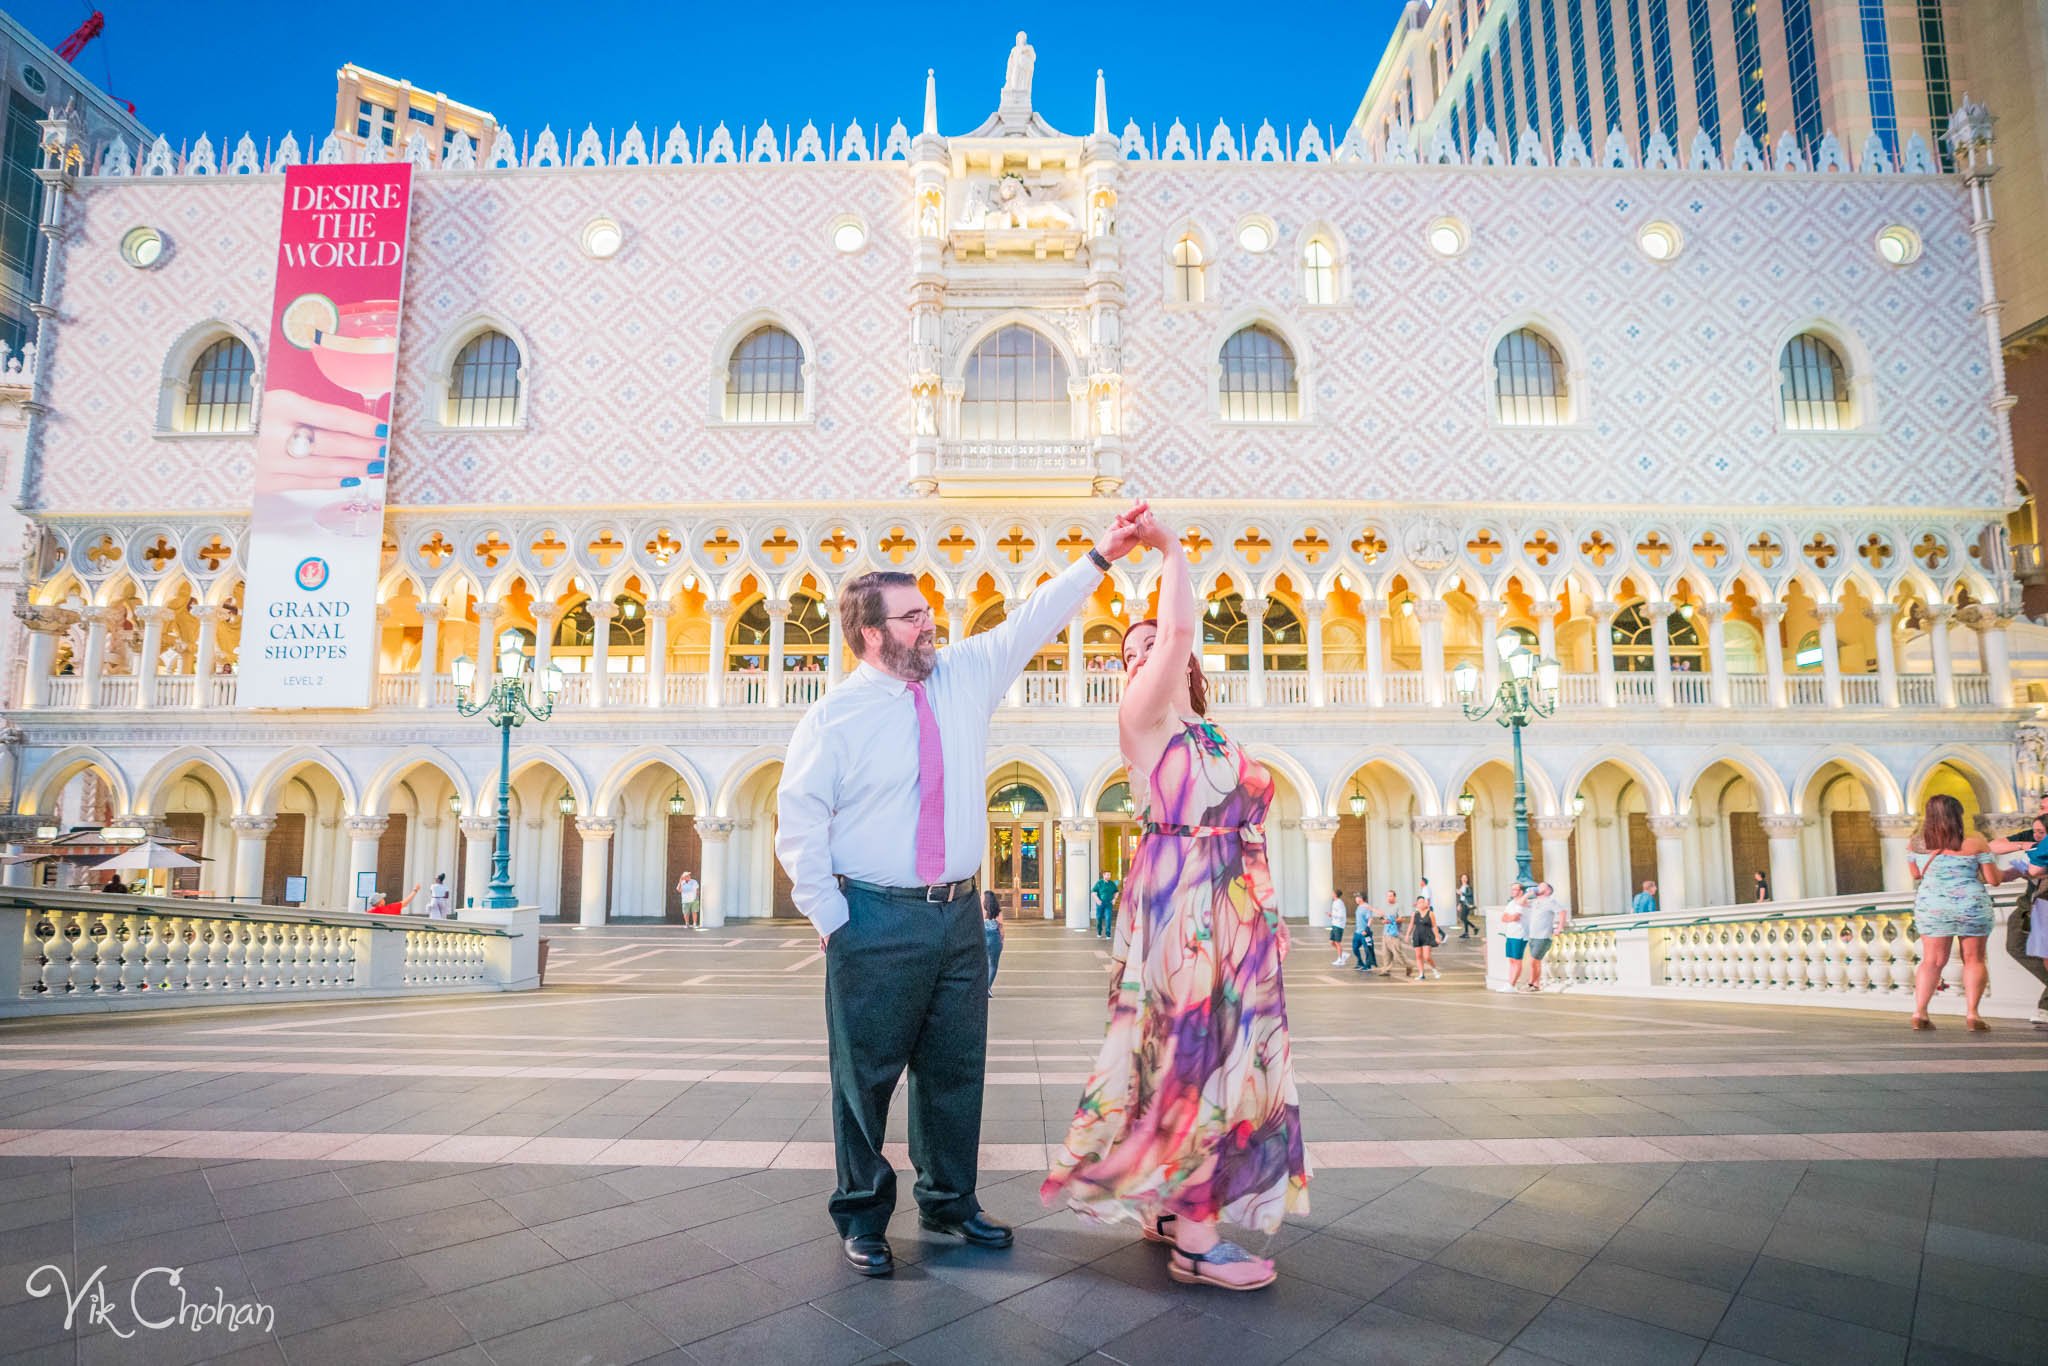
x: 829, y: 918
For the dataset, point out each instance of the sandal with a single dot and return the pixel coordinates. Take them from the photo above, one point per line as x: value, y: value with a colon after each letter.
x: 1186, y: 1267
x: 1922, y: 1022
x: 1978, y: 1027
x: 1155, y: 1229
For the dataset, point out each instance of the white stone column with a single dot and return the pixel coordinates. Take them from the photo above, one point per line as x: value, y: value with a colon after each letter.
x: 1830, y: 655
x: 1077, y: 664
x: 1546, y: 626
x: 714, y: 834
x: 1321, y: 833
x: 152, y: 619
x: 42, y: 657
x: 1603, y: 651
x: 835, y: 644
x: 431, y: 614
x: 1430, y: 614
x: 1375, y: 611
x: 1939, y: 617
x: 1555, y: 835
x: 96, y: 656
x: 1723, y: 687
x: 208, y: 617
x: 720, y: 612
x: 1489, y: 655
x: 602, y: 614
x: 1895, y: 840
x: 1882, y: 615
x: 594, y: 882
x: 1080, y: 836
x: 1994, y: 647
x: 479, y: 841
x: 956, y: 619
x: 1660, y: 647
x: 252, y: 836
x: 1439, y: 836
x: 486, y: 648
x: 1772, y: 615
x: 1672, y: 894
x: 1255, y: 652
x: 1788, y: 876
x: 545, y: 617
x: 658, y: 615
x: 364, y: 832
x: 778, y: 639
x: 1317, y: 692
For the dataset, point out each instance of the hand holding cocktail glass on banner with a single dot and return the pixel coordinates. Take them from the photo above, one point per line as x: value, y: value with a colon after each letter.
x: 339, y: 448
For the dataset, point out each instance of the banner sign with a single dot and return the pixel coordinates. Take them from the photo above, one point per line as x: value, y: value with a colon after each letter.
x: 309, y: 609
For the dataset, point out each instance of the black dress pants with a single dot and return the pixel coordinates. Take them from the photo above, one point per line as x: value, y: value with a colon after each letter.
x: 906, y: 986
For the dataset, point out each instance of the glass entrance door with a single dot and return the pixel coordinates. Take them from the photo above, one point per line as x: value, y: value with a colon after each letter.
x: 1016, y: 857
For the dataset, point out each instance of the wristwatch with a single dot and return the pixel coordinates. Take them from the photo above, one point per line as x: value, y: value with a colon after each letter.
x: 1100, y: 562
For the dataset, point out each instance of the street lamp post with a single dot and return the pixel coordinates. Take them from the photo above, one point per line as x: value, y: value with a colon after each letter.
x: 1530, y: 690
x: 509, y: 703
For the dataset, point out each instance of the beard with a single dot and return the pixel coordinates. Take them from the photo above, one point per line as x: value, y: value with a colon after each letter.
x: 915, y: 661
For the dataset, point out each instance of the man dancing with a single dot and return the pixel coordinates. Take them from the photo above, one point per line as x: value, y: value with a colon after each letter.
x: 881, y: 822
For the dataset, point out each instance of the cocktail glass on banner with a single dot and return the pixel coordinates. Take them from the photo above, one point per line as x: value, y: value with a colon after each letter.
x: 358, y: 352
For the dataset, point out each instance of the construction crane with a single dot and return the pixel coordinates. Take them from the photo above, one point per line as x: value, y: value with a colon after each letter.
x: 95, y: 24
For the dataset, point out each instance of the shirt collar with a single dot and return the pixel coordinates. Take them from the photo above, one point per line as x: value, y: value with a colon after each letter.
x: 877, y: 677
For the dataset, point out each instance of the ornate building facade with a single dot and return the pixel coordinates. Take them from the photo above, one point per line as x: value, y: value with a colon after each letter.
x: 1729, y: 441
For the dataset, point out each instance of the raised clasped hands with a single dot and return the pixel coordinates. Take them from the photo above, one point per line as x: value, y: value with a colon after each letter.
x: 1133, y: 527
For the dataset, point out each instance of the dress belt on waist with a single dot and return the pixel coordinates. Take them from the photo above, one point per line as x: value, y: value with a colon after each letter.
x: 1250, y: 834
x: 939, y: 893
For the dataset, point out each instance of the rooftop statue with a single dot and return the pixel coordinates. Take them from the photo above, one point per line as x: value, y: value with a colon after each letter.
x: 1017, y: 77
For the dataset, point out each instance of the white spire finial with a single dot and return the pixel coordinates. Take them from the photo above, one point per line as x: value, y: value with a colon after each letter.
x: 1101, y: 105
x: 931, y: 101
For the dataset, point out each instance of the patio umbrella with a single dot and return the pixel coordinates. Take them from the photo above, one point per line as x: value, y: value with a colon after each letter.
x: 145, y: 856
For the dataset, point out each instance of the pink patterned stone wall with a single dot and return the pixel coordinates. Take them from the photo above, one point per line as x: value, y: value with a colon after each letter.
x: 1678, y: 360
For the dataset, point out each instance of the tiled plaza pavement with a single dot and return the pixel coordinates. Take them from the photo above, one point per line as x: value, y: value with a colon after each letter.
x: 632, y: 1166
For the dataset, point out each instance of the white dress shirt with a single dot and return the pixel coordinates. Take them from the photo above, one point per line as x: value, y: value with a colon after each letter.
x: 848, y: 803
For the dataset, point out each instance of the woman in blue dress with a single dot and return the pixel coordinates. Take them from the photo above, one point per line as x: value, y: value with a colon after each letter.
x: 1956, y: 873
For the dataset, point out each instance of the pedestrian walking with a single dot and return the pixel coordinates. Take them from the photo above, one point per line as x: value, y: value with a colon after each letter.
x: 1955, y: 875
x: 1337, y: 918
x: 1361, y: 936
x: 1395, y: 926
x: 1105, y: 890
x: 1468, y: 902
x: 690, y: 897
x: 1423, y: 929
x: 992, y: 934
x: 440, y: 898
x: 2026, y: 929
x: 1514, y: 920
x: 1544, y: 915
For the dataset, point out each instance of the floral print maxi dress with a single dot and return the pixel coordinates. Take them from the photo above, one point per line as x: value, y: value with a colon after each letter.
x: 1192, y: 1109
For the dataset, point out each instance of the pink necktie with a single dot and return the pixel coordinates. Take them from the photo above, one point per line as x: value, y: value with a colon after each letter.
x: 931, y: 791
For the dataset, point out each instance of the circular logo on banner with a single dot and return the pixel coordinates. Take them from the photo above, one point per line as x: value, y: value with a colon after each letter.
x: 312, y: 573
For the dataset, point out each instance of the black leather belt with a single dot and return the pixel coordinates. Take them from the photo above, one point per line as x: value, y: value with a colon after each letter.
x: 939, y: 893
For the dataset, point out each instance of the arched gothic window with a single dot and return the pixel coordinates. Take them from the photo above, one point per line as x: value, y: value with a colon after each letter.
x: 1226, y: 636
x: 483, y: 384
x: 625, y: 646
x: 1813, y: 385
x: 1635, y: 648
x: 806, y: 636
x: 1318, y: 272
x: 220, y: 393
x: 1529, y: 383
x: 1016, y: 389
x: 765, y: 381
x: 1187, y: 271
x: 1257, y: 383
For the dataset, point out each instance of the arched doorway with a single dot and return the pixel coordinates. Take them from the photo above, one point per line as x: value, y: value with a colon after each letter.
x: 1843, y: 852
x: 1020, y: 866
x: 1116, y: 812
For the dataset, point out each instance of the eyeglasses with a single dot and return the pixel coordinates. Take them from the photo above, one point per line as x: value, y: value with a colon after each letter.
x: 920, y: 618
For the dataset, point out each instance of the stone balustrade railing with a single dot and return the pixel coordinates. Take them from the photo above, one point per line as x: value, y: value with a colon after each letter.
x: 1859, y: 952
x: 1283, y: 688
x: 86, y: 951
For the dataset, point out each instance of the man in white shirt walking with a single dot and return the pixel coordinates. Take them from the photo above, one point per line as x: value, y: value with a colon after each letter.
x: 690, y: 897
x: 881, y: 822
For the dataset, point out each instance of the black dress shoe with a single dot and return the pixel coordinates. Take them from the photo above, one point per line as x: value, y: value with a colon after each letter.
x: 977, y: 1229
x: 869, y: 1254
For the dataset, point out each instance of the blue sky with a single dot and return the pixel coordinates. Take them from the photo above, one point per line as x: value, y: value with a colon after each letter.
x: 229, y: 66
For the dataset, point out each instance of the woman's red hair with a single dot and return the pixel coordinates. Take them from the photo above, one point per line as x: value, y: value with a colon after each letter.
x: 1198, y: 685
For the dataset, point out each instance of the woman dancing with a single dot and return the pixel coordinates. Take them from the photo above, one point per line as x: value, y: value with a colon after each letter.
x: 1191, y: 1114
